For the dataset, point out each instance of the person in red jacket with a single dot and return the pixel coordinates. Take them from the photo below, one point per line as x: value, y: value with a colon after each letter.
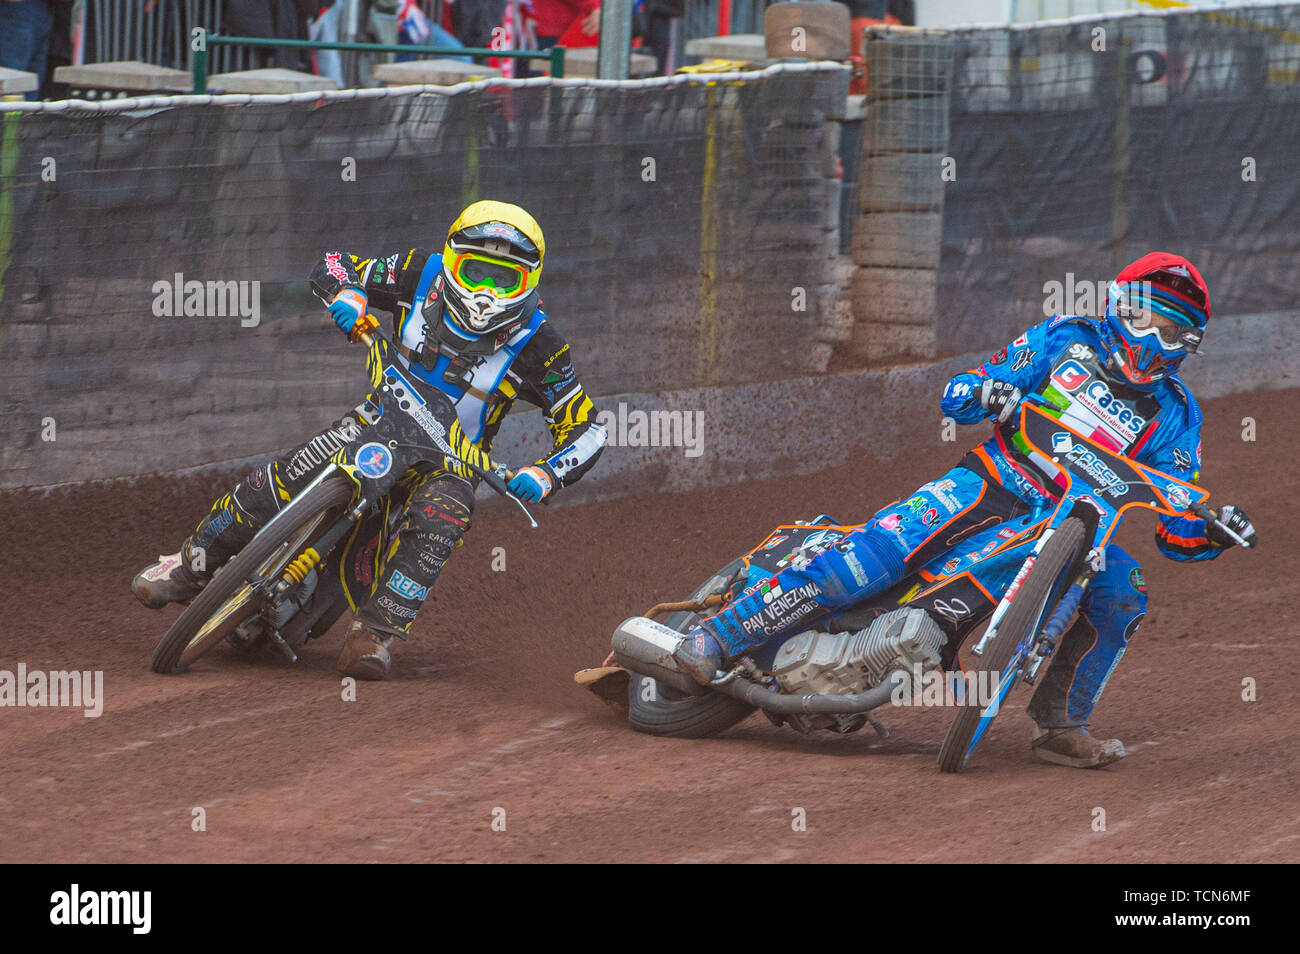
x: 555, y: 17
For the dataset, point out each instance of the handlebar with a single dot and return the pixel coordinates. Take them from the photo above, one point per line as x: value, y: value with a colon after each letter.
x: 1211, y: 516
x: 363, y: 330
x: 1199, y: 509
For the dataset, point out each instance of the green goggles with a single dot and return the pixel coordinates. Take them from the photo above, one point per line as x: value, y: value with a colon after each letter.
x: 476, y: 272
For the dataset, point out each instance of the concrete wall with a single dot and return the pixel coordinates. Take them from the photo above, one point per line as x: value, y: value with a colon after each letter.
x: 806, y: 425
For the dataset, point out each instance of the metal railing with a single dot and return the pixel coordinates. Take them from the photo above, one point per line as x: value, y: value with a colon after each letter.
x: 702, y: 19
x: 158, y: 31
x: 208, y: 40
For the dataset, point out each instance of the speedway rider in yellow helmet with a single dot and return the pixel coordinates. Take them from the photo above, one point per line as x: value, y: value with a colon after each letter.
x: 468, y: 323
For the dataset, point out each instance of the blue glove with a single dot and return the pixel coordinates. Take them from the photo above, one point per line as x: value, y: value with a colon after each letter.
x: 347, y: 306
x: 531, y: 483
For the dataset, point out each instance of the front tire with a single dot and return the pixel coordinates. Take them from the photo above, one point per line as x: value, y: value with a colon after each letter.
x: 1058, y: 554
x: 657, y: 709
x: 229, y: 598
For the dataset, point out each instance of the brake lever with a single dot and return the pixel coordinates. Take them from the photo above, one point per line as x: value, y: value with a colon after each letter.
x: 497, y: 481
x: 1205, y: 513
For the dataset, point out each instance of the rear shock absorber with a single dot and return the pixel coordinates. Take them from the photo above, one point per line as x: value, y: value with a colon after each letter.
x: 297, y: 571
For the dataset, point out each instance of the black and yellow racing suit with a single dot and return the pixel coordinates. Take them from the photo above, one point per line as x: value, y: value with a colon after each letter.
x: 532, y: 361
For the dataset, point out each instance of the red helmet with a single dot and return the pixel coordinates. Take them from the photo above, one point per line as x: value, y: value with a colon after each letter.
x: 1159, y: 285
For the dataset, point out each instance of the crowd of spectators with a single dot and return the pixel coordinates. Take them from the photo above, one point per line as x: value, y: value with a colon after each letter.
x: 37, y: 35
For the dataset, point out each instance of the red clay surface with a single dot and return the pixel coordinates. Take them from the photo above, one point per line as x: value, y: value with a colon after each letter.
x: 482, y: 712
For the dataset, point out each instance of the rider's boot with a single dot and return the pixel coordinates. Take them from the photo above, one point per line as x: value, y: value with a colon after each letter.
x: 700, y: 656
x: 1085, y: 659
x: 365, y: 654
x: 1075, y: 747
x: 1060, y: 708
x: 228, y: 525
x: 170, y: 580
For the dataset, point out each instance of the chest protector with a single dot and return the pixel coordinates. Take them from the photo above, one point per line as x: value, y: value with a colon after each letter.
x: 469, y: 380
x: 1095, y: 403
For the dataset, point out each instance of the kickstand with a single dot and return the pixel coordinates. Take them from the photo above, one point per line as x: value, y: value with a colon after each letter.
x: 877, y: 725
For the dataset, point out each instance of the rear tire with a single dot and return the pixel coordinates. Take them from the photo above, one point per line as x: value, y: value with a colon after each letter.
x: 1058, y: 554
x: 670, y: 712
x: 231, y: 579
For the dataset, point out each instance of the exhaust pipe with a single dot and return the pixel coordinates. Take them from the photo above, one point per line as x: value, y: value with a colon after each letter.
x: 651, y: 649
x: 647, y: 647
x: 817, y: 704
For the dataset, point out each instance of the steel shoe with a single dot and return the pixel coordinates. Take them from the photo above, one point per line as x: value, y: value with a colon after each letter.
x: 1075, y: 747
x: 365, y: 654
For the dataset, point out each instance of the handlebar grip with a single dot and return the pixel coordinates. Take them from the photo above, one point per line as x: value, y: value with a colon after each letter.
x: 362, y: 329
x: 496, y: 482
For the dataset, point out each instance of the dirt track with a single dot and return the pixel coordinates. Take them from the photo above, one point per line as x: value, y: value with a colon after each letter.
x: 482, y: 713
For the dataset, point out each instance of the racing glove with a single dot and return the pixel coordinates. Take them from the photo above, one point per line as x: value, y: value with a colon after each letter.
x: 1237, y: 522
x: 348, y: 305
x: 999, y: 398
x: 532, y: 484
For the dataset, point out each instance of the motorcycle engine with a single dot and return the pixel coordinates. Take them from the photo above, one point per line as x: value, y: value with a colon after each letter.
x: 276, y: 616
x: 292, y: 600
x: 816, y: 663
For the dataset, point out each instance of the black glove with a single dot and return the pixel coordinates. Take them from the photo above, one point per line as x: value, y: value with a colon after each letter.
x: 999, y: 398
x: 1237, y: 522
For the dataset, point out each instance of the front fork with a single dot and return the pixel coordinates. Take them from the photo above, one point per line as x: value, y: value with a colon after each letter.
x: 298, y: 568
x: 1060, y: 618
x: 1051, y: 632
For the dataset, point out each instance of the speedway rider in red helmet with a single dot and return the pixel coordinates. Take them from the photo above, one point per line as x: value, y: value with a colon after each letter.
x: 1112, y: 378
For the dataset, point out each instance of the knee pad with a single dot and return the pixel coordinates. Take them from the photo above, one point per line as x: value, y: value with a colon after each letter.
x: 863, y: 563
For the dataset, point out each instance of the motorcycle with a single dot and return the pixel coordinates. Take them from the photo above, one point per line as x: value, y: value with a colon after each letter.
x: 310, y: 562
x: 885, y: 648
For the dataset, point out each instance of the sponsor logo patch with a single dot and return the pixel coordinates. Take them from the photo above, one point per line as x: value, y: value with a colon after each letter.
x: 856, y: 568
x: 1106, y: 480
x: 1177, y: 495
x: 1070, y: 376
x: 374, y: 460
x: 334, y: 265
x: 407, y: 587
x: 1023, y: 358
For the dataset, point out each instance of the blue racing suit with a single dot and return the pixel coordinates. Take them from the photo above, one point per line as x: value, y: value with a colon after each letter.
x: 997, y: 490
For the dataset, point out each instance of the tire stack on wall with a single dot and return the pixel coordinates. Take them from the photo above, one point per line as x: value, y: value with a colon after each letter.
x: 897, y: 234
x: 812, y: 30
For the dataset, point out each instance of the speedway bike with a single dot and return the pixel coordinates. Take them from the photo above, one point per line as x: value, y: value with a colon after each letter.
x: 292, y: 581
x: 833, y: 677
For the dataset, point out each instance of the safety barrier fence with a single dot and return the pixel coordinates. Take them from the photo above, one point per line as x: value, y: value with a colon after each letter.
x: 154, y: 251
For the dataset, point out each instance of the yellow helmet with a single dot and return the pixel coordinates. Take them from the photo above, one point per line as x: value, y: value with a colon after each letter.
x: 491, y: 264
